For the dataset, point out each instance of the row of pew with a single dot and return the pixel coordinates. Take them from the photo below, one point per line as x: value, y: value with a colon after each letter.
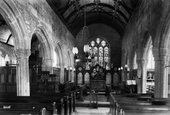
x: 138, y: 104
x: 38, y: 104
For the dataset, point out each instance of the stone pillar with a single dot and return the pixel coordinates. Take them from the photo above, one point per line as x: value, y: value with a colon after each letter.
x: 139, y: 77
x: 72, y: 79
x: 62, y: 74
x: 122, y: 74
x: 144, y: 75
x: 161, y: 75
x: 141, y: 73
x: 22, y: 73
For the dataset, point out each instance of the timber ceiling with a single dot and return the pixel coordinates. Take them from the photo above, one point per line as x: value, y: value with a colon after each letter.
x: 77, y: 13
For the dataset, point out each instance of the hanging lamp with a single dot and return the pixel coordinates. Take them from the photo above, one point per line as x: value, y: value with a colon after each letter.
x: 85, y: 30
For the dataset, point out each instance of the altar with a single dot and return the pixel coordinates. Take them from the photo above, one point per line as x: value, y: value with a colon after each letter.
x: 97, y: 81
x: 98, y: 85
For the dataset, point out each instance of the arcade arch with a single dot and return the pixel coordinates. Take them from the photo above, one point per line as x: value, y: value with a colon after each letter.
x: 16, y: 25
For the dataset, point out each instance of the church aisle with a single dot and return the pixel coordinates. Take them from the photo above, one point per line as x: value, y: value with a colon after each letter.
x: 83, y: 108
x: 92, y: 111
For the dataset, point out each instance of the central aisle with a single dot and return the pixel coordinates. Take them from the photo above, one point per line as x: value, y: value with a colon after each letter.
x: 92, y: 111
x: 84, y: 108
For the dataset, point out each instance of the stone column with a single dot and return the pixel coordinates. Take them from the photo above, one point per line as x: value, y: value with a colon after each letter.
x: 144, y: 75
x: 161, y: 75
x: 72, y: 79
x: 62, y: 74
x: 22, y: 73
x: 122, y: 74
x: 141, y: 73
x: 139, y: 77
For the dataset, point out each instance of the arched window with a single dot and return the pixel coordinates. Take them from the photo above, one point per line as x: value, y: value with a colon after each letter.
x: 100, y: 50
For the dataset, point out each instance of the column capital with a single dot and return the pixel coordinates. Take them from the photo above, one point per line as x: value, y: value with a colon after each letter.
x: 159, y: 54
x: 156, y: 54
x: 141, y: 61
x: 48, y: 60
x: 22, y: 52
x: 163, y: 51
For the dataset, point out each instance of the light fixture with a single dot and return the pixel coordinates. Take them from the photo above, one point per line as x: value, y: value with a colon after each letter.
x: 126, y: 66
x: 75, y: 52
x: 86, y: 48
x: 120, y: 68
x: 86, y: 51
x: 85, y: 30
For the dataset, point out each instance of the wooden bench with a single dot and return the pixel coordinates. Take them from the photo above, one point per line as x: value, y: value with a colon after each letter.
x: 122, y: 104
x: 159, y: 101
x: 39, y: 101
x: 69, y: 100
x: 145, y: 97
x: 20, y: 105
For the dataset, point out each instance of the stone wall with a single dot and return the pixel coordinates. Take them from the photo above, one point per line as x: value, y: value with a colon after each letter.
x: 144, y: 21
x: 151, y: 18
x: 39, y: 15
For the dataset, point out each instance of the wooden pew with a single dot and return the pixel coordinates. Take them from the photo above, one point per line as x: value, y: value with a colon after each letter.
x: 131, y: 106
x: 66, y: 106
x: 30, y: 104
x: 8, y: 109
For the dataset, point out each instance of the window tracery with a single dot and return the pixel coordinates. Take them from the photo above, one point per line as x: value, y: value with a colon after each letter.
x: 100, y: 51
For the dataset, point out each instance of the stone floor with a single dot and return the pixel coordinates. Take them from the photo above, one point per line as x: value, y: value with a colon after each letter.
x: 92, y: 111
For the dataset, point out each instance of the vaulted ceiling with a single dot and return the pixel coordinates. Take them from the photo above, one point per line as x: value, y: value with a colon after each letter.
x: 77, y: 13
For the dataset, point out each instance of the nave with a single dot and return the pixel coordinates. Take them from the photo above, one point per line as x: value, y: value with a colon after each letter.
x: 93, y: 44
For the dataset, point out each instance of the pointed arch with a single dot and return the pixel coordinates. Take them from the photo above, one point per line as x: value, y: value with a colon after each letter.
x: 59, y: 55
x: 44, y: 39
x: 147, y: 47
x: 14, y: 20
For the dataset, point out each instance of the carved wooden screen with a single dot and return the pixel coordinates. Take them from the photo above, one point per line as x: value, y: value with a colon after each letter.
x: 100, y: 49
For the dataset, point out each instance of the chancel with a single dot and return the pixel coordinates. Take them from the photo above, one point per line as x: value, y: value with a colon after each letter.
x: 84, y: 57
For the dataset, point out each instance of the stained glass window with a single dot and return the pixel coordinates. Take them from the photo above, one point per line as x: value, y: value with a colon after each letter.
x: 100, y: 50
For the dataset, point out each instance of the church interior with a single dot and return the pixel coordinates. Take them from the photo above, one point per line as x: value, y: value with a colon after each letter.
x: 84, y: 57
